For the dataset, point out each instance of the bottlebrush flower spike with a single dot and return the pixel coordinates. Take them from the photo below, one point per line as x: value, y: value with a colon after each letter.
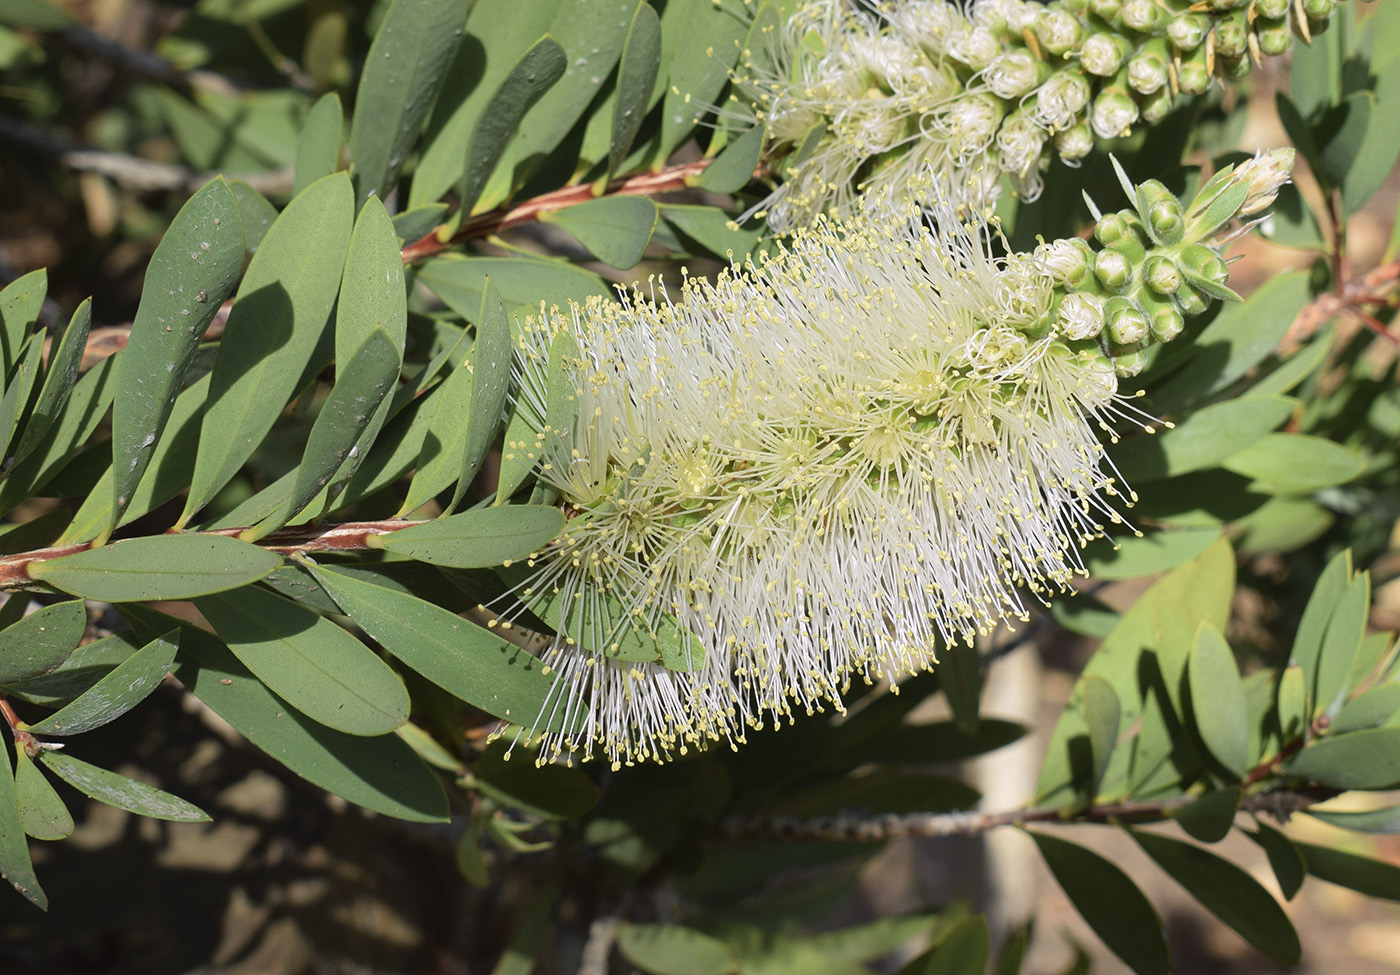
x: 877, y: 95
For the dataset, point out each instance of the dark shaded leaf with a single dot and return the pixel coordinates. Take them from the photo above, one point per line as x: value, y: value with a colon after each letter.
x: 1217, y: 700
x: 669, y: 949
x: 15, y: 865
x: 1374, y: 878
x: 41, y: 810
x: 118, y: 790
x: 41, y: 641
x: 116, y: 693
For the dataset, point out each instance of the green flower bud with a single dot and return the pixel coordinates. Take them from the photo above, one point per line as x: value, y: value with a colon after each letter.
x: 1107, y: 9
x: 1075, y: 142
x: 1127, y: 325
x: 1103, y: 54
x: 1129, y: 362
x: 1067, y: 260
x: 1272, y: 9
x: 1147, y: 72
x: 1142, y: 15
x: 1190, y: 300
x: 1161, y: 275
x: 1235, y: 69
x: 1059, y: 31
x: 1111, y: 228
x: 1156, y: 106
x: 1166, y: 221
x: 1167, y: 322
x: 1274, y: 36
x: 1232, y: 35
x: 1188, y: 31
x: 1319, y: 9
x: 1192, y: 76
x: 1113, y: 270
x: 1199, y: 261
x: 1113, y: 114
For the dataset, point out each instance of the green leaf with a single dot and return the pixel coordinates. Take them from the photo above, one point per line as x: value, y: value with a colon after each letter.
x: 669, y: 949
x: 1374, y: 878
x: 1228, y: 892
x: 1282, y: 524
x: 86, y: 666
x: 1368, y: 759
x: 442, y: 445
x: 414, y: 225
x: 964, y: 950
x: 1217, y: 700
x: 547, y: 791
x: 1235, y: 341
x: 1013, y: 954
x: 192, y: 271
x: 1340, y: 134
x: 1329, y: 590
x: 307, y: 660
x: 1369, y: 710
x: 1109, y: 900
x: 705, y: 41
x: 490, y: 366
x: 1385, y: 820
x: 41, y: 641
x: 467, y: 661
x: 1202, y: 440
x: 476, y: 539
x: 372, y: 292
x: 1345, y: 630
x: 124, y: 687
x: 1292, y: 702
x: 616, y: 229
x: 276, y: 323
x: 256, y: 212
x: 1374, y: 158
x: 18, y: 390
x: 712, y: 229
x: 533, y: 74
x: 866, y: 942
x: 178, y: 566
x: 636, y: 75
x: 521, y: 282
x: 1291, y: 223
x: 59, y: 381
x: 118, y: 790
x: 380, y: 773
x: 15, y: 865
x: 733, y: 168
x: 318, y: 148
x: 407, y: 62
x: 41, y: 811
x: 960, y: 678
x: 1210, y: 817
x: 942, y: 741
x: 1085, y: 614
x: 20, y: 304
x: 1296, y: 462
x: 1102, y: 714
x: 1284, y: 857
x: 1131, y: 558
x: 350, y: 408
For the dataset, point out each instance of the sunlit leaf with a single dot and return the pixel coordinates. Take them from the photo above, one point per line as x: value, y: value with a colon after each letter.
x: 126, y: 686
x: 479, y: 538
x: 41, y: 641
x: 118, y: 790
x: 179, y: 566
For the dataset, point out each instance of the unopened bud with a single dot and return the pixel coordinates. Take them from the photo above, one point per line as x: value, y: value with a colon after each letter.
x: 1147, y: 72
x: 1167, y: 323
x: 1192, y: 75
x: 1103, y: 54
x: 1075, y: 142
x: 1265, y: 173
x: 1272, y: 9
x: 1161, y: 275
x: 1114, y: 114
x: 1156, y: 106
x: 1274, y: 36
x: 1232, y: 35
x: 1013, y: 74
x: 1113, y: 270
x: 1188, y: 31
x: 1066, y: 259
x: 1190, y: 300
x: 1199, y: 261
x: 1059, y: 31
x: 1129, y: 363
x: 1111, y: 228
x: 1142, y: 15
x: 1127, y: 325
x: 1319, y: 9
x: 1233, y: 69
x: 1107, y: 9
x: 1166, y: 221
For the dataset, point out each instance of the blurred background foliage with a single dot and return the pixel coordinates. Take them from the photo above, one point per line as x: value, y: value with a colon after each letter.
x: 1229, y: 672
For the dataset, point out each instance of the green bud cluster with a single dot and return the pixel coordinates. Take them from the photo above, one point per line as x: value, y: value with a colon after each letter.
x: 869, y: 100
x: 1157, y: 263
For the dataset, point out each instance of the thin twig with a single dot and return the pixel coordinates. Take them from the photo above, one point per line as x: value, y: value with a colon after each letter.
x: 601, y: 935
x: 1370, y: 288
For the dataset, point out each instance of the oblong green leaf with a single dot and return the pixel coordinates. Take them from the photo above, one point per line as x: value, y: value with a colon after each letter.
x: 1296, y: 462
x: 533, y: 74
x: 404, y: 69
x: 1210, y: 817
x: 1109, y: 900
x: 318, y: 146
x: 670, y: 949
x: 192, y: 271
x: 469, y: 662
x: 17, y: 391
x: 1228, y: 892
x: 1345, y: 630
x: 41, y: 641
x: 179, y: 566
x: 704, y: 44
x: 733, y: 168
x: 1374, y: 878
x: 521, y: 282
x: 380, y: 773
x: 964, y: 950
x: 15, y: 864
x: 118, y: 790
x: 1287, y: 862
x: 1369, y: 710
x: 84, y: 667
x: 1204, y: 439
x: 475, y: 539
x: 311, y: 663
x: 1103, y: 715
x: 1217, y: 700
x: 490, y: 364
x: 636, y: 74
x: 59, y: 381
x: 20, y: 304
x: 617, y: 229
x: 41, y: 810
x: 277, y: 320
x: 1385, y: 820
x: 1130, y: 558
x: 1368, y: 759
x: 126, y: 686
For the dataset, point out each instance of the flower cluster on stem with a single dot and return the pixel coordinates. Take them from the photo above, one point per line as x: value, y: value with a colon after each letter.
x: 870, y: 98
x: 817, y: 471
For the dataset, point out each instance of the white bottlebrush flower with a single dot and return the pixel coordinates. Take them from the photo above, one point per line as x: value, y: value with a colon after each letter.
x: 820, y: 468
